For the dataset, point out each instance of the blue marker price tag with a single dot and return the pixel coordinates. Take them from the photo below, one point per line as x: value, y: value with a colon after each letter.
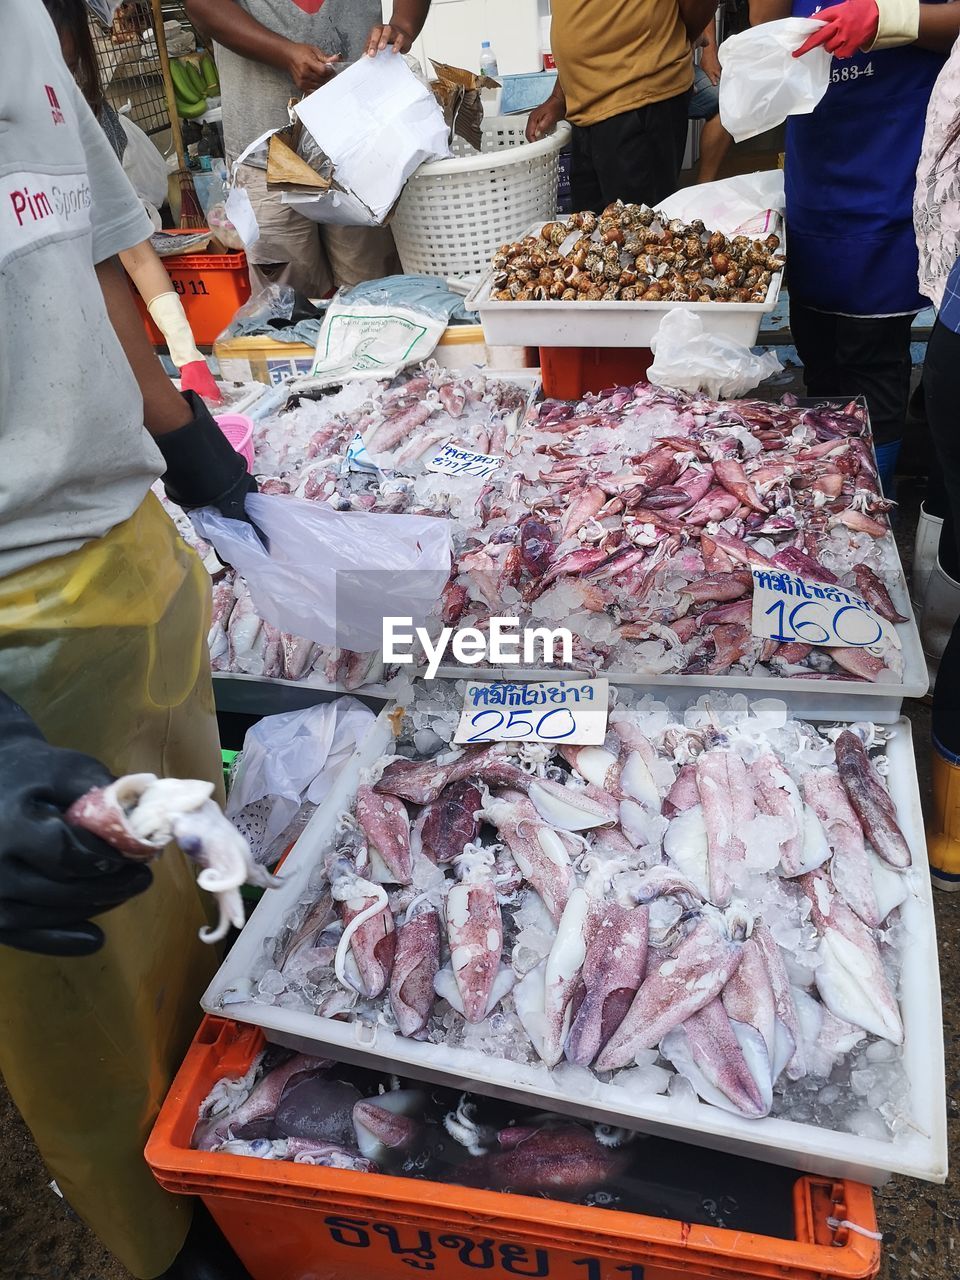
x: 796, y: 610
x: 456, y: 460
x: 554, y: 711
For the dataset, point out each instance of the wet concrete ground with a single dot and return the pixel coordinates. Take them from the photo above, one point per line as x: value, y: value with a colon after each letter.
x: 40, y: 1239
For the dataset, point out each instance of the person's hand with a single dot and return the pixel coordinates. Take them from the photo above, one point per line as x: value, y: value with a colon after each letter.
x: 195, y: 376
x: 309, y: 66
x: 203, y: 468
x: 543, y: 119
x: 53, y: 876
x: 384, y: 35
x: 847, y: 29
x: 710, y: 64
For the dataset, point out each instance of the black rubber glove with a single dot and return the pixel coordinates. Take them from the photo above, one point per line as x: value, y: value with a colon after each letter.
x: 203, y: 468
x: 53, y: 876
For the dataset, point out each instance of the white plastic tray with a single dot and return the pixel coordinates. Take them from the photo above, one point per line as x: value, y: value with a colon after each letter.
x: 807, y: 699
x: 920, y: 1152
x: 607, y: 324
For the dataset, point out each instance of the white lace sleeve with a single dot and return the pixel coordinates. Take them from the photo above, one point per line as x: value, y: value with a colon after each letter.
x: 936, y: 203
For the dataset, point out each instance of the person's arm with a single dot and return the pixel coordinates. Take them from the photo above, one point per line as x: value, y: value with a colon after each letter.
x: 230, y: 25
x: 695, y: 14
x: 939, y: 26
x: 543, y: 119
x: 406, y: 23
x: 203, y: 469
x: 768, y: 11
x: 143, y: 265
x: 709, y: 62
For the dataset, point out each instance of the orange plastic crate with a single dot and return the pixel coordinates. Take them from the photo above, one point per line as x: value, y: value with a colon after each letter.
x: 303, y: 1222
x: 567, y: 373
x: 211, y: 287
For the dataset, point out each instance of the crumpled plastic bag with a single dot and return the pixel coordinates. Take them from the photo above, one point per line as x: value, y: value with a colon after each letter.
x: 288, y: 766
x: 689, y: 359
x: 143, y: 164
x: 763, y: 83
x: 333, y: 576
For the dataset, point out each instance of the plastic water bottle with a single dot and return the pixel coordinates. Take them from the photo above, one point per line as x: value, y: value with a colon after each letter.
x: 488, y: 61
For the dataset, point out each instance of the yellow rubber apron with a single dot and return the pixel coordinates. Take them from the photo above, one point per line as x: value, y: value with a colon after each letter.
x: 106, y: 649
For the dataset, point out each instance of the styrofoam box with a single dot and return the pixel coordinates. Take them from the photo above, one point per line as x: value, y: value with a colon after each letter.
x: 920, y: 1151
x: 607, y: 324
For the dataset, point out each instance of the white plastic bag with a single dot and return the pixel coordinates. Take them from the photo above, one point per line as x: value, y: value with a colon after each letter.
x: 144, y: 165
x: 687, y: 358
x: 333, y: 576
x: 749, y: 204
x: 763, y: 83
x: 372, y: 340
x: 289, y: 763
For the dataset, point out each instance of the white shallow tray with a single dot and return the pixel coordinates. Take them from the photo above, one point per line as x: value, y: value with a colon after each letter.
x: 607, y: 324
x: 807, y: 699
x: 919, y: 1152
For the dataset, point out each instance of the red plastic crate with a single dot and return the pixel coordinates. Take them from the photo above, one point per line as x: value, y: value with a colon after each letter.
x: 211, y: 287
x: 569, y: 372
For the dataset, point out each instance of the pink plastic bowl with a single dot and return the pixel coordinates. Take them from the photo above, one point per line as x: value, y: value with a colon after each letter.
x: 238, y: 429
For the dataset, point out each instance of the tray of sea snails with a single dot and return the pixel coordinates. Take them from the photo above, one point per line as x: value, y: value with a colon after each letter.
x: 608, y: 280
x: 718, y: 927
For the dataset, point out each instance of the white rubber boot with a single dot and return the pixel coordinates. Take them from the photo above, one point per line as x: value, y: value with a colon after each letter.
x: 941, y: 608
x: 925, y: 546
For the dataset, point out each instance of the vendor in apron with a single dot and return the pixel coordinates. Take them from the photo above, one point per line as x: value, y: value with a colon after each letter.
x: 103, y: 666
x: 850, y: 171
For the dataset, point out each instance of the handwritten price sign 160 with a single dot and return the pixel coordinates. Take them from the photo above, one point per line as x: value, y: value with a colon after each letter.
x: 788, y: 608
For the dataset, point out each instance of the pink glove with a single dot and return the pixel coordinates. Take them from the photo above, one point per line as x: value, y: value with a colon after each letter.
x: 847, y: 28
x: 196, y: 376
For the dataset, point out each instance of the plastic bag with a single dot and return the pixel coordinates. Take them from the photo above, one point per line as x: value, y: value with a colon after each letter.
x: 687, y: 358
x: 763, y: 83
x: 366, y: 340
x: 333, y: 576
x: 144, y: 165
x: 288, y: 765
x: 749, y: 204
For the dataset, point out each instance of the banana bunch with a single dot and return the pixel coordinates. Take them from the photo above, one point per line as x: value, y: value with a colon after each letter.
x: 193, y: 84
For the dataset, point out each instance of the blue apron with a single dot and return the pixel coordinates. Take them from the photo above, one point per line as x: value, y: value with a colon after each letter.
x: 851, y: 168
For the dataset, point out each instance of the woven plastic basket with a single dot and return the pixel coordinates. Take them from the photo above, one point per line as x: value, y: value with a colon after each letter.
x: 454, y: 214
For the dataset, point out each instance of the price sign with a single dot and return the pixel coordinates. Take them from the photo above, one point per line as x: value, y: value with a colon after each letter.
x: 793, y: 610
x: 556, y: 711
x: 455, y: 460
x: 357, y: 458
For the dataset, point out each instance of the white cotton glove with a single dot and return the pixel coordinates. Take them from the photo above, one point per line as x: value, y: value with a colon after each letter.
x: 899, y: 24
x: 171, y: 319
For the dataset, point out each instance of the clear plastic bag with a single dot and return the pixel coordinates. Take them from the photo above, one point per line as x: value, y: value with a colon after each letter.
x: 143, y: 164
x: 290, y: 762
x: 333, y: 576
x: 690, y: 359
x: 763, y: 83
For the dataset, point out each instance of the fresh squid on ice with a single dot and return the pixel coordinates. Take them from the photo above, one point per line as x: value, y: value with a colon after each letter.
x: 423, y: 782
x: 850, y: 864
x: 537, y: 848
x: 475, y: 935
x: 385, y: 824
x: 367, y: 946
x: 141, y: 814
x: 871, y: 800
x: 673, y: 989
x: 727, y: 798
x: 725, y: 1062
x: 614, y: 965
x: 850, y: 975
x: 448, y: 824
x: 415, y: 967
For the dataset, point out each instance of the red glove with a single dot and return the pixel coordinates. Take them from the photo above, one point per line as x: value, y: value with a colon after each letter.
x: 847, y: 29
x: 196, y: 376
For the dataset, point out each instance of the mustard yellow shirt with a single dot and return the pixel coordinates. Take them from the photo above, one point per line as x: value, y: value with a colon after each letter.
x: 616, y: 55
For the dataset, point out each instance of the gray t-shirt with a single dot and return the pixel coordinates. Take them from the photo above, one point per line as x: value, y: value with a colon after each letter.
x: 75, y: 459
x: 255, y: 96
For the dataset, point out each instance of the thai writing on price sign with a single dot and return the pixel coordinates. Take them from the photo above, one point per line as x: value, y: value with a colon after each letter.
x: 453, y: 460
x: 561, y: 711
x: 792, y: 610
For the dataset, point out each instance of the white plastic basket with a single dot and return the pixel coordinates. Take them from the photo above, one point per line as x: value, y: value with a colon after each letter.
x: 454, y: 214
